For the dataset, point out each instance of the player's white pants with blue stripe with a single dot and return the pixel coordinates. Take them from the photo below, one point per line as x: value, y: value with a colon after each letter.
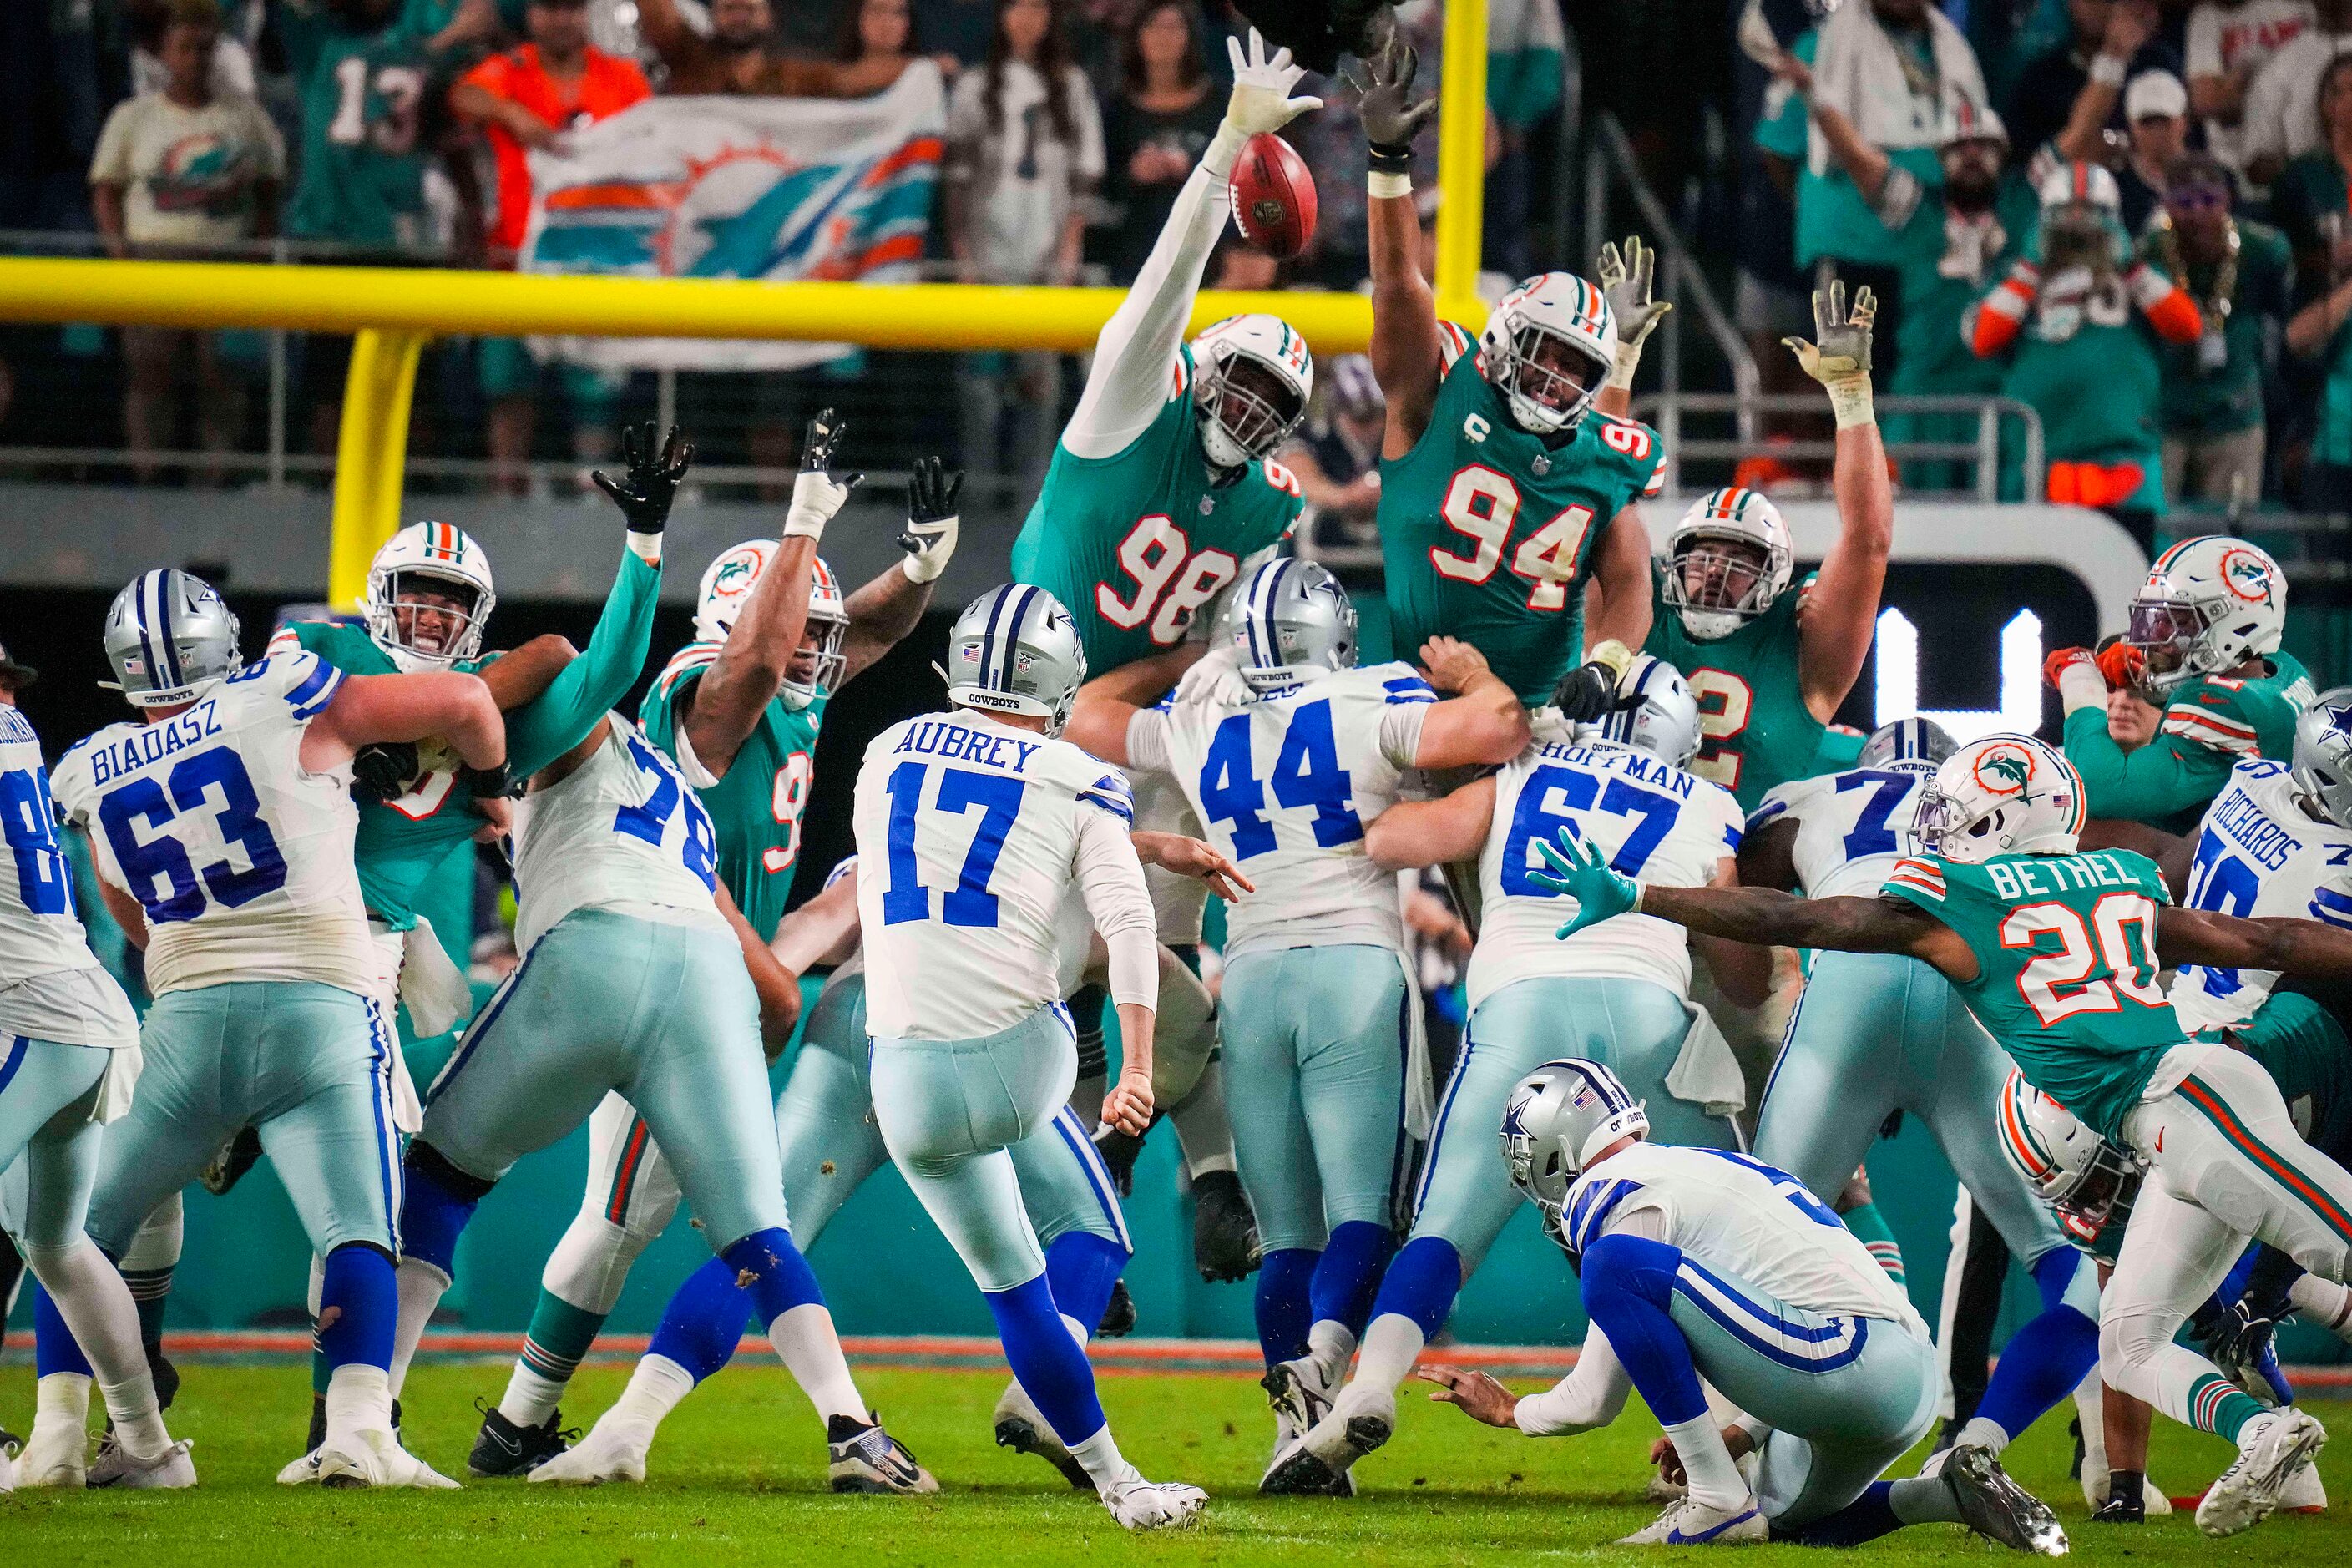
x: 971, y: 1123
x: 1845, y: 1398
x: 610, y: 1003
x: 1315, y: 1046
x: 1633, y: 1027
x: 307, y: 1066
x: 1876, y: 1033
x: 47, y: 1093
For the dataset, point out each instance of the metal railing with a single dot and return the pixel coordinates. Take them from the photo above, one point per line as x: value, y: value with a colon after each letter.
x: 1667, y: 411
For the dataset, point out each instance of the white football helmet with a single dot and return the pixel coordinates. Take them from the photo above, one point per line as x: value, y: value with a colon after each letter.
x: 1557, y: 1118
x: 2065, y: 184
x: 1245, y: 416
x: 725, y: 587
x: 1655, y: 712
x: 445, y: 559
x: 1566, y: 310
x: 2005, y: 795
x: 1724, y: 534
x: 2087, y: 1180
x: 2209, y: 605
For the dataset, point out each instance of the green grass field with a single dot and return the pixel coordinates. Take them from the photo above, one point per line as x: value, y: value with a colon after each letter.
x: 738, y: 1477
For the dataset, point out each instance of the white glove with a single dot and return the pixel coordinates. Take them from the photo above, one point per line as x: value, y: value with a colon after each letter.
x: 816, y: 496
x: 1261, y: 101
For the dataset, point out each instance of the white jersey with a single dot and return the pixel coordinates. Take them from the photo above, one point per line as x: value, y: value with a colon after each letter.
x: 1851, y: 827
x: 1285, y: 785
x: 1735, y: 1214
x: 2259, y: 855
x: 51, y: 986
x: 971, y: 836
x: 240, y: 856
x: 1659, y: 824
x: 624, y: 831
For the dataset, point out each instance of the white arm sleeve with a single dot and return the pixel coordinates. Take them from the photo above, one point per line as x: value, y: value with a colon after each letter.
x: 1111, y: 879
x: 1589, y: 1397
x: 1146, y: 741
x: 1400, y: 725
x: 1136, y: 354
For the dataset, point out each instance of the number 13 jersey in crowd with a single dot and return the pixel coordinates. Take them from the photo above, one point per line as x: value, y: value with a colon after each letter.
x: 1658, y: 824
x: 1136, y: 544
x: 240, y: 856
x: 969, y: 836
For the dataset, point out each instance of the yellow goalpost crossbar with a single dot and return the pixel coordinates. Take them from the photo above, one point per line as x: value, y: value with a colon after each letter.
x: 392, y: 311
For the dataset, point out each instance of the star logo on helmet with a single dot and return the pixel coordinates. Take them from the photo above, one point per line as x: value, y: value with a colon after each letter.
x: 2339, y: 715
x: 1515, y: 1119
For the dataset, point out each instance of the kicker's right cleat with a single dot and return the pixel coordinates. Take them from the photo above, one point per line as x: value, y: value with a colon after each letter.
x: 1023, y: 1428
x: 1997, y: 1507
x: 1693, y: 1523
x: 1224, y: 1228
x: 502, y: 1449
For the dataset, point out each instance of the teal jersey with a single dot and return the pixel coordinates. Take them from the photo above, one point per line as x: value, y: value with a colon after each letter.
x: 2209, y: 726
x: 1755, y: 732
x: 1137, y: 543
x: 1486, y: 531
x: 362, y: 163
x: 402, y: 843
x: 755, y: 807
x: 2214, y: 385
x: 2066, y: 966
x: 1933, y: 354
x: 2307, y: 1054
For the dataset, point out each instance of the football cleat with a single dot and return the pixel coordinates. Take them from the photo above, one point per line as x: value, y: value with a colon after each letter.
x: 2303, y: 1492
x: 8, y: 1446
x: 1118, y: 1313
x: 57, y: 1455
x: 503, y: 1448
x: 1692, y: 1524
x: 318, y: 1427
x: 227, y: 1168
x: 1300, y: 1399
x: 300, y: 1472
x: 171, y: 1470
x: 1225, y: 1229
x: 376, y: 1459
x: 606, y: 1454
x: 2268, y: 1457
x: 2121, y: 1511
x: 1139, y: 1504
x: 1020, y: 1427
x: 866, y: 1458
x: 1120, y: 1152
x: 1997, y: 1507
x: 1661, y: 1489
x: 1316, y: 1465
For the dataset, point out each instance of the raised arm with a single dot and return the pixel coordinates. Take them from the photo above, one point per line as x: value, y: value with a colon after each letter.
x: 1624, y: 276
x: 721, y: 710
x: 1617, y: 604
x: 883, y: 612
x: 366, y: 708
x: 1407, y: 359
x: 1135, y: 355
x: 1840, y: 616
x: 1416, y: 833
x: 1484, y: 723
x: 2129, y: 26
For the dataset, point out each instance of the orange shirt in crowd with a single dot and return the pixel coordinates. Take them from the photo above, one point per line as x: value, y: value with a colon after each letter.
x: 606, y: 84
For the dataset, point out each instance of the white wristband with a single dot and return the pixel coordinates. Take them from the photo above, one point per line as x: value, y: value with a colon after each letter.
x: 1850, y: 402
x: 647, y: 547
x: 1382, y: 183
x: 2107, y: 71
x: 1622, y: 368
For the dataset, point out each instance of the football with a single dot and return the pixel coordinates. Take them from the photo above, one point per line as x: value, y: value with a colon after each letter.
x: 1273, y: 196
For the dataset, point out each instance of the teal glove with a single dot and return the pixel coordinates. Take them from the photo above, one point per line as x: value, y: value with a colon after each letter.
x: 1585, y: 875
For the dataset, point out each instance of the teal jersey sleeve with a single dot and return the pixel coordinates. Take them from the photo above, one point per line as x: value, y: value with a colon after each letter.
x: 2167, y: 782
x: 560, y: 717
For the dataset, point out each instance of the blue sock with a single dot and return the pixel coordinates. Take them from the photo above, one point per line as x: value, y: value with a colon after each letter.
x: 1422, y: 1283
x: 439, y: 1204
x: 773, y: 1274
x: 1349, y: 1274
x: 1283, y: 1313
x: 2047, y: 1357
x: 1867, y: 1518
x: 1081, y: 1267
x: 1051, y: 1368
x: 1628, y: 1283
x: 704, y: 1320
x: 360, y: 1295
x: 2233, y: 1284
x: 54, y: 1347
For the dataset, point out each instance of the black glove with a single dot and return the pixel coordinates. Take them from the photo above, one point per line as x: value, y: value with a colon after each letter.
x: 1383, y: 85
x: 823, y: 434
x: 1586, y: 694
x: 930, y: 535
x: 381, y: 772
x: 653, y: 478
x: 491, y: 783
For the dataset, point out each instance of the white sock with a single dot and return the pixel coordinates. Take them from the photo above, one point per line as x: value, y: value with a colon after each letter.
x: 529, y: 1399
x: 1984, y: 1433
x: 658, y: 1387
x: 2090, y: 1409
x: 1924, y: 1500
x: 97, y: 1305
x: 1078, y: 1331
x: 420, y: 1290
x: 62, y: 1398
x: 2325, y: 1303
x: 1392, y: 1344
x: 811, y: 1352
x: 1715, y: 1477
x: 1102, y: 1459
x: 1332, y: 1345
x: 359, y: 1400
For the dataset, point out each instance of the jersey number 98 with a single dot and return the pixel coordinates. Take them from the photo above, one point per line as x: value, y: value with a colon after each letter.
x: 1171, y: 583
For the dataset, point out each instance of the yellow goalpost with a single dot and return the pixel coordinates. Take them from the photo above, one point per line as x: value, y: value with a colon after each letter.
x: 391, y: 312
